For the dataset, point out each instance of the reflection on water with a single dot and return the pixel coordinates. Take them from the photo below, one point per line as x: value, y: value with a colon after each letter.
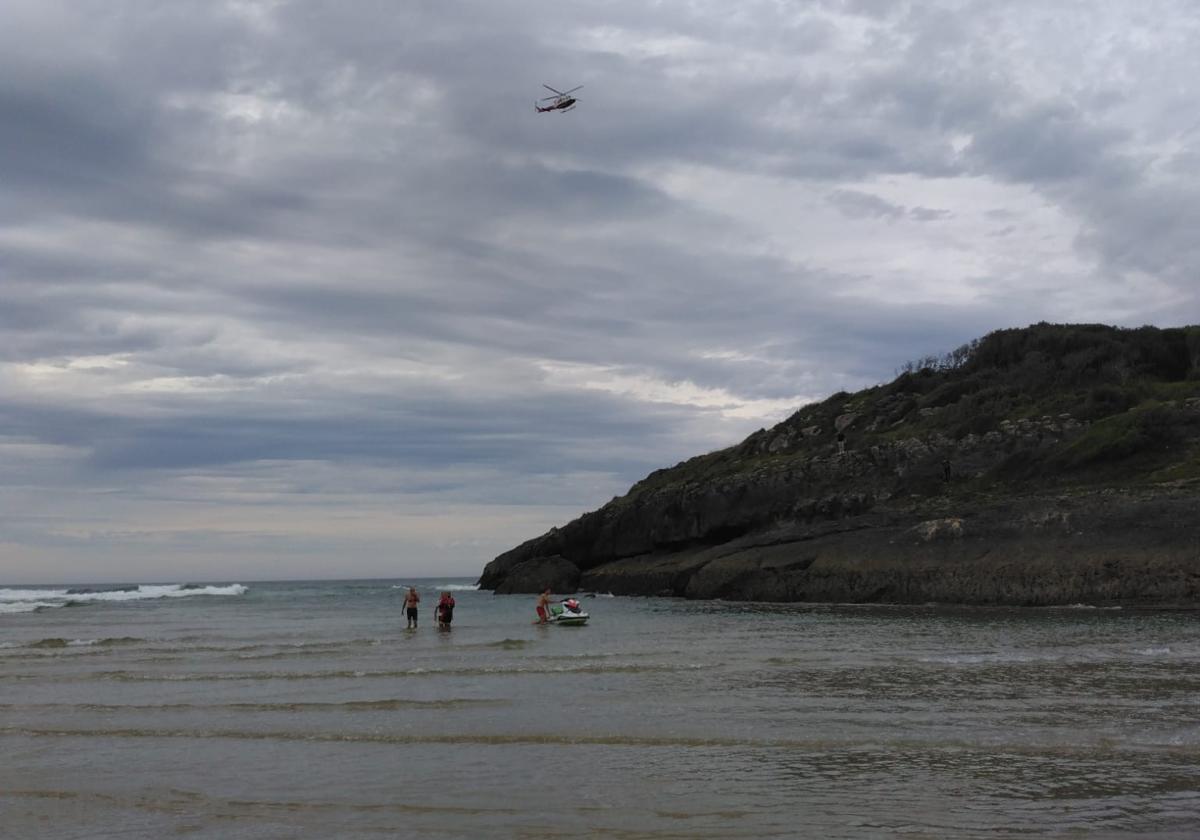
x: 307, y: 710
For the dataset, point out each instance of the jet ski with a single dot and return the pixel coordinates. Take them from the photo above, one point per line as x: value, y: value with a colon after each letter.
x: 568, y: 612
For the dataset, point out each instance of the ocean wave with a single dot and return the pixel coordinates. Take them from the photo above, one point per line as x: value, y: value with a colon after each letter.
x: 385, y: 705
x: 187, y: 644
x: 984, y: 659
x: 441, y: 587
x: 342, y: 674
x: 25, y: 606
x: 300, y: 653
x: 380, y: 705
x: 482, y: 739
x: 59, y: 643
x: 1180, y: 744
x: 36, y: 600
x: 510, y: 644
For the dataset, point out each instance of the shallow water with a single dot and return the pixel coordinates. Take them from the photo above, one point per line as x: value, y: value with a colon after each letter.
x: 307, y: 710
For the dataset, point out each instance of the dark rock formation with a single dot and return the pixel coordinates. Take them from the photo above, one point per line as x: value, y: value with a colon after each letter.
x: 533, y: 574
x: 1052, y: 465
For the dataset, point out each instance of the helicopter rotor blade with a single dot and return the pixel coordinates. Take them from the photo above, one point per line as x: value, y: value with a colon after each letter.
x: 572, y: 90
x: 547, y: 87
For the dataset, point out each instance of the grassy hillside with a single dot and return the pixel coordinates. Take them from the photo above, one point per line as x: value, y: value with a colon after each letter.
x: 1099, y: 404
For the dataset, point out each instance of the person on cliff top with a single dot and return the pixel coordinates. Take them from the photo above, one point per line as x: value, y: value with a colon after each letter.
x: 444, y: 611
x: 543, y: 607
x: 411, y: 599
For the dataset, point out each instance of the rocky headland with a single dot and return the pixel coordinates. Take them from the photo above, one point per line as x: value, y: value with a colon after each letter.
x: 1056, y: 464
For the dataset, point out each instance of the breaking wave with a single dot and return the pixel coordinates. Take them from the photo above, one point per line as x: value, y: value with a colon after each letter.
x: 441, y: 587
x: 25, y: 606
x: 36, y: 600
x: 55, y: 642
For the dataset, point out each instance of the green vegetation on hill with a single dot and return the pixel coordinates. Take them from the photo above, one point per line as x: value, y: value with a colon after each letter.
x: 1096, y: 404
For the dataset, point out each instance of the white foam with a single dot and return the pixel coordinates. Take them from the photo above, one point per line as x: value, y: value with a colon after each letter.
x: 25, y: 606
x: 28, y: 600
x: 8, y: 595
x: 442, y: 587
x: 1153, y: 651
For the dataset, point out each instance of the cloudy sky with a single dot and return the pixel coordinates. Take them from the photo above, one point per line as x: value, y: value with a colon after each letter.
x: 307, y: 289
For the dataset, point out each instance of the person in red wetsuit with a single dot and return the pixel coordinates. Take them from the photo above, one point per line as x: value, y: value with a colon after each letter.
x: 444, y: 612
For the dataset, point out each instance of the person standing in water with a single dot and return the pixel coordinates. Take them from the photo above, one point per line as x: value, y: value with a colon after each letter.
x: 410, y: 607
x: 444, y: 611
x: 543, y: 607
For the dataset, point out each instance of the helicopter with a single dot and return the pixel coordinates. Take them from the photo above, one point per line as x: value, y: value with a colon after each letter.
x: 561, y: 101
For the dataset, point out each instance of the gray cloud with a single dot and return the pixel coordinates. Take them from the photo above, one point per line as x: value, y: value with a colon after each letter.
x: 283, y: 261
x: 860, y: 205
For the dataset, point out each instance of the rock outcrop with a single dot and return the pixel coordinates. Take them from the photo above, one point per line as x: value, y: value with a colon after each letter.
x: 1052, y: 465
x: 533, y: 574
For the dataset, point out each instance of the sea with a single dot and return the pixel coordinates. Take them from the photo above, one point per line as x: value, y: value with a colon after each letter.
x: 240, y: 710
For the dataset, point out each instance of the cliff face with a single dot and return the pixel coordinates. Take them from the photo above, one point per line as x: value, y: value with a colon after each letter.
x: 1054, y: 464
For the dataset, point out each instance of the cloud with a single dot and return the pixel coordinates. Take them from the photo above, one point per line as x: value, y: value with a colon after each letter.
x: 860, y: 205
x: 273, y: 269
